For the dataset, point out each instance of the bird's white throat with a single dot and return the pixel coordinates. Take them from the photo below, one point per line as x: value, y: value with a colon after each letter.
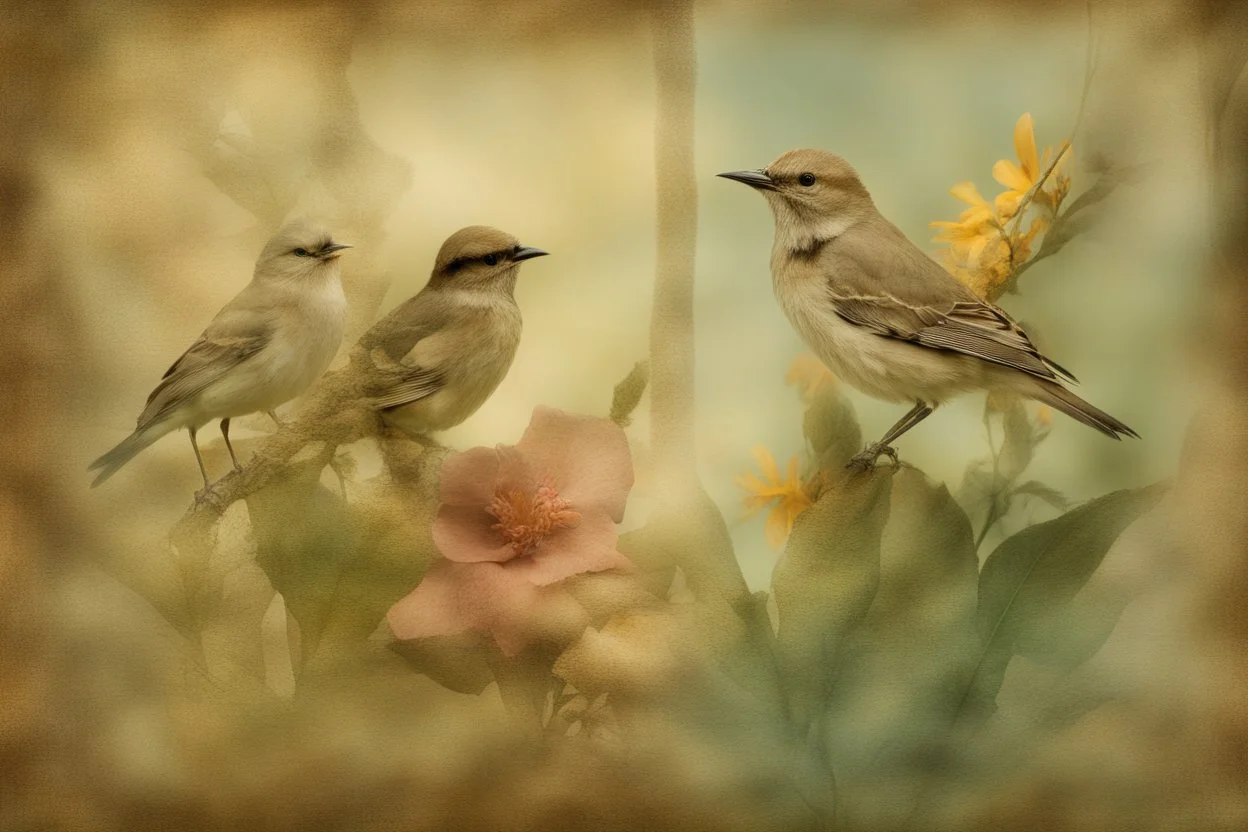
x: 801, y: 231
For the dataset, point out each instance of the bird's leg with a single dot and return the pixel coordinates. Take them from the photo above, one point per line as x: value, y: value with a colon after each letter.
x: 867, y: 458
x: 225, y: 434
x: 203, y: 472
x: 273, y: 416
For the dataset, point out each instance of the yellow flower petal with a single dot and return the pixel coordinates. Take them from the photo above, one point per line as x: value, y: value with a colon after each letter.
x: 1025, y: 146
x: 968, y: 193
x: 766, y: 464
x: 1007, y: 203
x: 791, y: 479
x: 1012, y: 177
x: 776, y: 530
x: 977, y: 250
x: 750, y: 483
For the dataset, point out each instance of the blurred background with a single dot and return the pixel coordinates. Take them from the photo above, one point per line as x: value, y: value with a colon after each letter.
x: 153, y: 148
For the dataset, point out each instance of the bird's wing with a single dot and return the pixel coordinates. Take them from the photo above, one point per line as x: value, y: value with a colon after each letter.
x: 388, y: 379
x: 399, y: 384
x: 974, y: 329
x: 240, y: 330
x: 884, y: 283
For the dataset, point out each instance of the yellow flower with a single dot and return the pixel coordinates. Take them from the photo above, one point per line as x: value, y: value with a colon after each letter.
x: 976, y: 230
x: 787, y: 496
x: 984, y: 263
x: 808, y: 375
x: 1020, y: 178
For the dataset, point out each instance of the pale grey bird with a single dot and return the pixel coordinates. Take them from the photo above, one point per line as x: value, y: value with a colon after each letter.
x: 435, y: 359
x: 265, y: 347
x: 881, y: 314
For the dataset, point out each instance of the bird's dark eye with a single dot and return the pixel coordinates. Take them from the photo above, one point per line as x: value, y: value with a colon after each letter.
x: 806, y: 179
x: 490, y: 259
x: 301, y: 252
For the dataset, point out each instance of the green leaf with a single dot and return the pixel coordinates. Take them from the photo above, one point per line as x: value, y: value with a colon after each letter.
x: 628, y: 393
x: 1037, y: 489
x: 1027, y: 584
x: 1019, y: 443
x: 826, y: 581
x: 339, y: 567
x: 905, y: 664
x: 459, y: 662
x: 830, y: 425
x: 688, y: 531
x: 654, y: 565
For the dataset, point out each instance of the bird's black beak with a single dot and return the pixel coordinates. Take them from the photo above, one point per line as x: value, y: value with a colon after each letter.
x: 754, y: 178
x: 527, y: 253
x: 330, y: 251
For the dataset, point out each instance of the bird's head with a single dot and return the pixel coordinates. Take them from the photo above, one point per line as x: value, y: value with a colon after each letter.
x: 482, y: 258
x: 815, y: 195
x: 299, y: 251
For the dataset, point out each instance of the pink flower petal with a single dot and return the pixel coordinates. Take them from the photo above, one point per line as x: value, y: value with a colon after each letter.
x: 432, y: 608
x: 488, y: 598
x: 515, y: 472
x: 590, y: 546
x: 466, y: 534
x: 586, y: 456
x: 469, y: 478
x: 454, y: 597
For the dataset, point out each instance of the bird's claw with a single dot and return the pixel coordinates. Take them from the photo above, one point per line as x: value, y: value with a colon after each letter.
x: 865, y: 461
x: 208, y: 496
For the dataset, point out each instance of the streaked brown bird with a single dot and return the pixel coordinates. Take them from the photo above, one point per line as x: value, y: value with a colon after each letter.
x: 881, y: 314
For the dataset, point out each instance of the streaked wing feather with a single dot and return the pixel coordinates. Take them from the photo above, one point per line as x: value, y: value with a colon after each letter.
x: 409, y: 384
x: 207, y: 360
x: 972, y: 329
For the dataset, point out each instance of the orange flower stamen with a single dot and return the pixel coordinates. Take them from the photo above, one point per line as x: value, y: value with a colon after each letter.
x: 526, y: 518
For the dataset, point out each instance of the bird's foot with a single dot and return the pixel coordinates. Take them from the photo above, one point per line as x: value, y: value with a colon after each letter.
x: 207, y: 497
x: 865, y: 461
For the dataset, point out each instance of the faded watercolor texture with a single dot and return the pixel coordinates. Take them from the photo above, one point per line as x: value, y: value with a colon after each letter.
x: 637, y: 589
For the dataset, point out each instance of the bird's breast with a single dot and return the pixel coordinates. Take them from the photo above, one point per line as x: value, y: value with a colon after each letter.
x: 883, y: 367
x: 473, y: 355
x: 307, y: 340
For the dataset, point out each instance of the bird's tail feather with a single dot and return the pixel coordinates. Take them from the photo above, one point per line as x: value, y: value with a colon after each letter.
x: 1062, y: 399
x: 111, y: 462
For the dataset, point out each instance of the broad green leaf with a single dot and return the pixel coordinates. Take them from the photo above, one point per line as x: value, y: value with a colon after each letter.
x: 654, y: 565
x: 303, y: 541
x: 831, y: 427
x: 826, y: 580
x: 905, y: 664
x: 339, y: 567
x: 687, y: 530
x: 1037, y: 489
x: 1026, y: 585
x: 1019, y: 442
x: 459, y: 662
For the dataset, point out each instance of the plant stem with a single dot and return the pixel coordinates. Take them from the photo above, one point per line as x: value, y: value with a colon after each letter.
x: 671, y: 323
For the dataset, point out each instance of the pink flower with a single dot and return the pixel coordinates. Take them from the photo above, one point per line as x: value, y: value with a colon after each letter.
x: 516, y: 521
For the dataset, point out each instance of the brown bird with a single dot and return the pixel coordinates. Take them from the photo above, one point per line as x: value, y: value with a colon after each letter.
x: 265, y: 347
x: 881, y: 314
x: 435, y: 359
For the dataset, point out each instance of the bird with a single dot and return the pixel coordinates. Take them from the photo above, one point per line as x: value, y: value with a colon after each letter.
x: 436, y: 358
x: 885, y: 317
x: 265, y: 347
